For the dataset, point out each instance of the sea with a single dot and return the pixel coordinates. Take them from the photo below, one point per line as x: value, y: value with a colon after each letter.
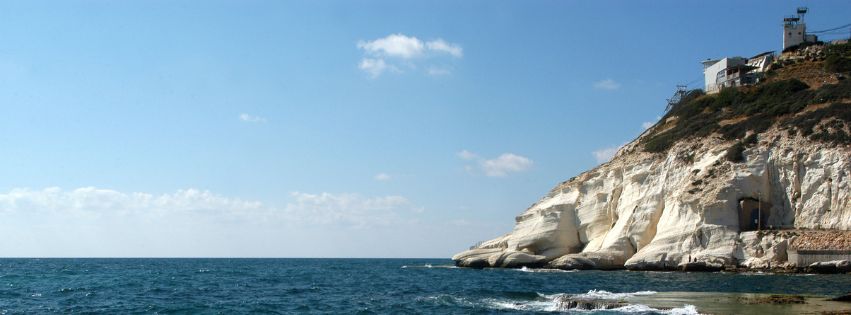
x: 359, y: 286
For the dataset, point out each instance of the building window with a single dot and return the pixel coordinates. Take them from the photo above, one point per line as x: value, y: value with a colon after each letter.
x: 799, y: 33
x: 790, y: 33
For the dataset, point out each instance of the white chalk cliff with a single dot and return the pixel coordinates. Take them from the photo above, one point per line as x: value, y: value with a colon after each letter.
x: 647, y: 210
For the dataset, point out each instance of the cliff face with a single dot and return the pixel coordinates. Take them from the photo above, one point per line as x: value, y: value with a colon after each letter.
x: 652, y: 211
x: 695, y: 188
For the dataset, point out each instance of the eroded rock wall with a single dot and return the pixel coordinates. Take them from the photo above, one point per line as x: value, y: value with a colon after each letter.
x: 653, y: 211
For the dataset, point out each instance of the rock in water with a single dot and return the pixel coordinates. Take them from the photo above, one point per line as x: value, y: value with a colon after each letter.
x: 834, y: 266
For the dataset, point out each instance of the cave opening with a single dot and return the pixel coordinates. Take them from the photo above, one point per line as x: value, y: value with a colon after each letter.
x: 753, y: 214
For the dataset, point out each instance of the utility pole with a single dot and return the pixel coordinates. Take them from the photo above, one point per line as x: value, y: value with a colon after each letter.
x: 759, y: 211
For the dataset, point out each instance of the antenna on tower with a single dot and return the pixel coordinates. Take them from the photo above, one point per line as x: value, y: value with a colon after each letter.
x: 801, y: 12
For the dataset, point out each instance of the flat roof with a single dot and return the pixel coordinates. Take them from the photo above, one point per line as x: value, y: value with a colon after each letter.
x: 762, y: 54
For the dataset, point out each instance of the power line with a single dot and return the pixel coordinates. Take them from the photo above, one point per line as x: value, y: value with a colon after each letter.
x: 694, y: 81
x: 831, y: 29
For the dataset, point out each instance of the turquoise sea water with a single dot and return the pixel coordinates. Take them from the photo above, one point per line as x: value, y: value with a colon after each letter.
x: 363, y: 286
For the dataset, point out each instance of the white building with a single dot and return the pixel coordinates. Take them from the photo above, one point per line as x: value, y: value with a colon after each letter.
x: 761, y: 61
x: 718, y: 73
x: 734, y: 71
x: 795, y: 30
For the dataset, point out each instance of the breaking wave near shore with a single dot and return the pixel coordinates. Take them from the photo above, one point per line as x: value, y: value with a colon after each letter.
x: 596, y: 301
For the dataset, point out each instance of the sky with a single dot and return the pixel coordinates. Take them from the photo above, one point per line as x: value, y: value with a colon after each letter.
x: 330, y: 128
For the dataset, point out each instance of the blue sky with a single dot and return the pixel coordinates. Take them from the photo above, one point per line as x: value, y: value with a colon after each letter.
x: 329, y: 128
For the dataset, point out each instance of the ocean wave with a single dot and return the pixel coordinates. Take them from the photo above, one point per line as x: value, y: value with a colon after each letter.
x: 430, y: 266
x: 552, y: 304
x: 555, y: 303
x: 525, y: 269
x: 529, y: 306
x: 640, y: 308
x: 606, y: 295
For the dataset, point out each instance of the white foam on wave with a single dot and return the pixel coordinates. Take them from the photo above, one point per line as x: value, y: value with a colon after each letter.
x: 430, y: 266
x: 551, y: 305
x: 525, y: 269
x: 606, y: 295
x: 529, y: 306
x: 640, y: 308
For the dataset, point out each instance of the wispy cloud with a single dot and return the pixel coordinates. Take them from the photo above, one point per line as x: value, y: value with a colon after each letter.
x: 440, y: 45
x: 506, y: 163
x: 373, y: 67
x: 467, y: 155
x: 388, y: 52
x: 92, y: 205
x: 436, y: 71
x: 607, y: 84
x: 647, y: 124
x: 605, y: 154
x: 351, y: 210
x: 251, y: 118
x: 382, y: 177
x: 394, y: 45
x: 500, y: 166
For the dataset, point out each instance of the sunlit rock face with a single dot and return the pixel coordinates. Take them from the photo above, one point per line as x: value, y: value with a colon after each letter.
x: 659, y: 211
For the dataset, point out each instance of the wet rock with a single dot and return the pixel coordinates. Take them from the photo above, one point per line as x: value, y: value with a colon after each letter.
x: 835, y: 266
x: 842, y: 298
x: 565, y: 303
x: 774, y: 299
x: 700, y: 266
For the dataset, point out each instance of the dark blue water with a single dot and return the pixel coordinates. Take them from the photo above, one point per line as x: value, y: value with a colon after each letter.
x: 364, y: 286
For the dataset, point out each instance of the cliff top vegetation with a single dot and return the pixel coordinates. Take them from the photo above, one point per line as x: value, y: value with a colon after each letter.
x: 811, y: 97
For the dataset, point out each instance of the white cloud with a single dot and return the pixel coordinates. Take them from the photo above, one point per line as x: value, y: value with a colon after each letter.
x: 92, y: 204
x: 382, y: 177
x: 440, y: 45
x: 350, y: 210
x: 607, y: 84
x: 374, y: 67
x: 605, y: 154
x: 496, y: 167
x: 394, y: 45
x: 467, y: 155
x: 399, y: 51
x: 436, y: 71
x: 97, y: 222
x: 251, y: 118
x: 506, y: 163
x: 647, y: 124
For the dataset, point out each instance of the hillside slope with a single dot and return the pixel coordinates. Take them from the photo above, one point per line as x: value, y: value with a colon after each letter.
x: 686, y: 190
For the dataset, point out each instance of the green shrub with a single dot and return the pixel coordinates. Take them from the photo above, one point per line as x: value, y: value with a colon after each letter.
x: 805, y: 123
x: 837, y: 58
x: 699, y: 114
x: 837, y: 64
x: 833, y: 92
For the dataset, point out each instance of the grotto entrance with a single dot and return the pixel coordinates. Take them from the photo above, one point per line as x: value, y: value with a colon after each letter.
x: 753, y: 214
